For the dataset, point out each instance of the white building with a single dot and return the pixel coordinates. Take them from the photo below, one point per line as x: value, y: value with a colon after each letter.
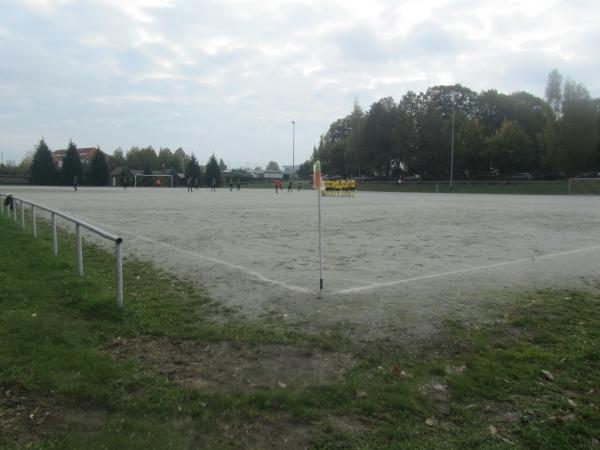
x: 290, y: 169
x: 267, y: 174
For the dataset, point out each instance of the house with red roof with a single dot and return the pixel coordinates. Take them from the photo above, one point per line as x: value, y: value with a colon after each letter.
x: 85, y: 155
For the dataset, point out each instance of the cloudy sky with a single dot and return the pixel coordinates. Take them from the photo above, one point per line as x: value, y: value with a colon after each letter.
x: 229, y: 76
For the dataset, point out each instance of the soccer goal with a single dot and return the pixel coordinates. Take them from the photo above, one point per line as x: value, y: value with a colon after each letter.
x: 153, y: 180
x: 582, y: 186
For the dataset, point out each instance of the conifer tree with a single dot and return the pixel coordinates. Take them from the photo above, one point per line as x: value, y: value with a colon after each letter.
x: 192, y: 170
x: 43, y: 170
x: 98, y: 169
x: 71, y: 165
x: 213, y: 171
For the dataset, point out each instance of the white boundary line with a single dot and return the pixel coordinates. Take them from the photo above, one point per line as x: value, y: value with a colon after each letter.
x: 468, y: 270
x: 371, y: 285
x: 253, y: 273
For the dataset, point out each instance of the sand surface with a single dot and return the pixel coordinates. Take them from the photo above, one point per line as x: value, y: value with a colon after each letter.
x: 395, y: 263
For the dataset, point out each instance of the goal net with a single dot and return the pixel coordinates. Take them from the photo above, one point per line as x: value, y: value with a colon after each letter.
x: 141, y: 180
x: 583, y: 186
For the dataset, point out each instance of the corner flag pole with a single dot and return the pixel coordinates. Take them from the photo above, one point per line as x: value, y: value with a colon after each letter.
x: 317, y: 186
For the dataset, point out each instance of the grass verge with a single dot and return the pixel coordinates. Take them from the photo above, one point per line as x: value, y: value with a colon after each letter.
x: 174, y: 370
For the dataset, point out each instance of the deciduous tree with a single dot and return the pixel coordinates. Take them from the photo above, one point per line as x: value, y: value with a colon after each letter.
x: 554, y: 95
x: 273, y: 167
x: 117, y: 159
x: 510, y: 149
x: 577, y: 128
x: 471, y: 156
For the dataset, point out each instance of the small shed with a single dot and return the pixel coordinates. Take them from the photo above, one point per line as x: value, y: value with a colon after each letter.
x: 122, y: 176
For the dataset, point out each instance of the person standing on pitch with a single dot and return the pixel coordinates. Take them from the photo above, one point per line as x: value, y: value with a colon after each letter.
x: 75, y: 182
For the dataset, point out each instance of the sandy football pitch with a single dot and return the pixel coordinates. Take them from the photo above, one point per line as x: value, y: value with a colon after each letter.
x: 394, y: 262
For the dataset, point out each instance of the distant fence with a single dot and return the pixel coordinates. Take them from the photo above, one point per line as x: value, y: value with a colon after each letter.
x: 19, y: 203
x: 270, y: 183
x: 584, y: 186
x: 14, y: 179
x: 554, y: 187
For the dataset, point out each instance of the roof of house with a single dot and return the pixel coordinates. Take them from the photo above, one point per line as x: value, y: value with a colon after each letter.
x: 85, y: 154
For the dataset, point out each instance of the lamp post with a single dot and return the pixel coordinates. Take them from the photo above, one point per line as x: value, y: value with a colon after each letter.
x: 293, y: 149
x: 452, y: 146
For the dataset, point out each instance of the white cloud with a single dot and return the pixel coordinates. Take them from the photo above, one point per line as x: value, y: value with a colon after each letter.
x: 139, y: 72
x: 139, y: 10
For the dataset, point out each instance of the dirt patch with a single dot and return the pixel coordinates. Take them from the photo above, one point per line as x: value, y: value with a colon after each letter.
x: 272, y: 432
x: 23, y: 418
x: 233, y: 366
x: 27, y: 416
x: 348, y: 425
x: 276, y: 430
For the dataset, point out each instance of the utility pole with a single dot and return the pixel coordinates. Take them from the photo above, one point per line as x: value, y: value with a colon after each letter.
x: 452, y: 146
x: 293, y: 149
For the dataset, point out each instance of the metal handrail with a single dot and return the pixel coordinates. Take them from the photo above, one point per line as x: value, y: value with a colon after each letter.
x: 78, y: 224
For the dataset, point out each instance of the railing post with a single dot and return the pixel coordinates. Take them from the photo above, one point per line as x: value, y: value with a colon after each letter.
x: 119, y: 271
x: 16, y: 203
x: 33, y: 224
x: 79, y: 250
x: 54, y: 240
x: 22, y: 215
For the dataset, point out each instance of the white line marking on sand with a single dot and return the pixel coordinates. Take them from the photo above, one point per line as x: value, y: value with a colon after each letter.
x: 211, y: 259
x: 371, y: 285
x: 468, y: 270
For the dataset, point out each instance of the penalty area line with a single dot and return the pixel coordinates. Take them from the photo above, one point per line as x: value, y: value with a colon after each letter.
x: 467, y: 270
x: 253, y: 273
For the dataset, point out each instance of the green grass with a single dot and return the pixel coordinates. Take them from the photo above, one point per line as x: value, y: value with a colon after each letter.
x: 269, y: 184
x: 581, y: 187
x: 484, y: 187
x: 57, y: 330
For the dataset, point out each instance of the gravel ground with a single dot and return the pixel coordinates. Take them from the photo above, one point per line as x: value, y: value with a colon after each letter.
x: 395, y: 263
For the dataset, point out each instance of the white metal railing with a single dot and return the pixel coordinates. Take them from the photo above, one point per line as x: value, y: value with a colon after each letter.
x: 12, y: 212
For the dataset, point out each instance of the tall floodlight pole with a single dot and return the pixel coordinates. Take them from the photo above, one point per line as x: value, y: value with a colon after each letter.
x: 293, y: 149
x: 452, y: 146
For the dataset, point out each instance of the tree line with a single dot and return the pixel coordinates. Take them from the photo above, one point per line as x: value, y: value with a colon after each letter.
x: 43, y: 169
x: 493, y: 133
x: 487, y: 133
x: 168, y: 161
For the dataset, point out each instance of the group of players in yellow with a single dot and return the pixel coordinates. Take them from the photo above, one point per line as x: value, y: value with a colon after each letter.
x: 339, y: 188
